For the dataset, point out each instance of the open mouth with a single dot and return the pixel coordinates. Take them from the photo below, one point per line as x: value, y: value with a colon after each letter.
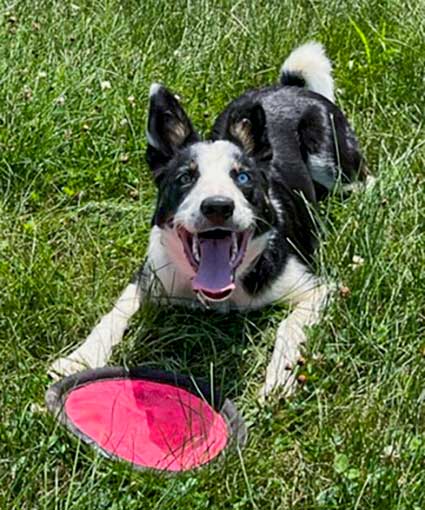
x: 214, y: 255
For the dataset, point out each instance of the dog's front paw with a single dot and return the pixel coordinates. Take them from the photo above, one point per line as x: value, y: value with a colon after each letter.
x: 63, y: 367
x: 75, y: 362
x: 280, y: 379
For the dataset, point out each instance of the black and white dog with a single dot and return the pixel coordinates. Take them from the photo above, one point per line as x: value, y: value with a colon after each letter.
x: 234, y: 221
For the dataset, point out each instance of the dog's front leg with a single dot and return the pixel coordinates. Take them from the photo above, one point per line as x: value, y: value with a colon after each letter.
x: 290, y: 339
x: 97, y: 348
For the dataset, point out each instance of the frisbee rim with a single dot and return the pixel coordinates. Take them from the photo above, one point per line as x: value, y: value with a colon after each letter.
x: 57, y: 394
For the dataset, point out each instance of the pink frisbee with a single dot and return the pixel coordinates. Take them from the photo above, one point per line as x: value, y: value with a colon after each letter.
x: 152, y: 419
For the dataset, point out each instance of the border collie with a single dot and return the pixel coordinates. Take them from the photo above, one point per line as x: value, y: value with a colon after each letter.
x: 234, y: 222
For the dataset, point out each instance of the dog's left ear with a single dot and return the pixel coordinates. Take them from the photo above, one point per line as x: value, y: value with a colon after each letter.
x: 246, y: 126
x: 169, y: 128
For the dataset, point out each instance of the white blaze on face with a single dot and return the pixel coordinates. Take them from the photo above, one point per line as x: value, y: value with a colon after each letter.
x: 215, y: 162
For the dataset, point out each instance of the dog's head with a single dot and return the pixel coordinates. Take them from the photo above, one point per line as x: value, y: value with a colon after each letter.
x: 212, y: 195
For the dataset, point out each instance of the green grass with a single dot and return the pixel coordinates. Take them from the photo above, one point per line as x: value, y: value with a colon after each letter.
x: 75, y: 206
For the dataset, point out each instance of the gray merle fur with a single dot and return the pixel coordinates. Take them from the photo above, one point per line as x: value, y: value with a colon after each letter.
x: 298, y: 124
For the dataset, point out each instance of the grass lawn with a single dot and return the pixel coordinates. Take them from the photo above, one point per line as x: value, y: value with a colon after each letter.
x: 75, y: 205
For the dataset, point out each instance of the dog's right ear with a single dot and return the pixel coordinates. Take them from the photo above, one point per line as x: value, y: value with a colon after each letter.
x: 169, y: 128
x: 245, y: 124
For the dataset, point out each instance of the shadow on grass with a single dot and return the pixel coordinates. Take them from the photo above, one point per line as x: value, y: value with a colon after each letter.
x: 203, y: 344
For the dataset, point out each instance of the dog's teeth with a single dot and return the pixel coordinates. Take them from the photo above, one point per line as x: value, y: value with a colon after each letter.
x: 195, y: 248
x: 234, y: 252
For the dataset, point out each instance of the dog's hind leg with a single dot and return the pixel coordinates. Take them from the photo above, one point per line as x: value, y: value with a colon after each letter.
x: 290, y: 338
x: 97, y: 348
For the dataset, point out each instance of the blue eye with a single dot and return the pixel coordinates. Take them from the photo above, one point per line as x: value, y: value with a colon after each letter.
x: 243, y: 178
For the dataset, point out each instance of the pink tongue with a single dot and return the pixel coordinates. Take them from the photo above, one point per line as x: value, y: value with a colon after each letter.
x: 215, y: 271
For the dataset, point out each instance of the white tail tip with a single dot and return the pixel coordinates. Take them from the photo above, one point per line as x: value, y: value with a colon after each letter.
x: 310, y: 64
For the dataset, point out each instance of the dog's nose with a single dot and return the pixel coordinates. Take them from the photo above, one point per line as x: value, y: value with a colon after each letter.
x: 217, y: 208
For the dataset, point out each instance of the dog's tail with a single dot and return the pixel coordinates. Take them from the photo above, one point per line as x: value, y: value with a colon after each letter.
x: 308, y: 66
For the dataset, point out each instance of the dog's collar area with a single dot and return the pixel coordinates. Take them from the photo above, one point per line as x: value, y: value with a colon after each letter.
x: 214, y: 254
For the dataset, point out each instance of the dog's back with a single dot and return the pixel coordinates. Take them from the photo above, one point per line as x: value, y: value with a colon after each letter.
x: 302, y: 125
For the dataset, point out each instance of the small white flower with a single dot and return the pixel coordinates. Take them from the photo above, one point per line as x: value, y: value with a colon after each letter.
x: 105, y: 85
x: 42, y: 74
x: 131, y: 100
x: 124, y: 122
x: 37, y: 409
x: 60, y: 101
x: 27, y: 92
x: 357, y: 260
x: 390, y: 452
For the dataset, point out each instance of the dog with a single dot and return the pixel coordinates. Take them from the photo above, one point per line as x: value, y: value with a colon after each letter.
x: 234, y: 224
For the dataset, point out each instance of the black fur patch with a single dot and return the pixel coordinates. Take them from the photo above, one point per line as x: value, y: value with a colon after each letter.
x: 310, y: 131
x: 292, y: 80
x: 169, y: 128
x: 246, y: 127
x: 346, y: 149
x: 171, y: 190
x: 257, y: 194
